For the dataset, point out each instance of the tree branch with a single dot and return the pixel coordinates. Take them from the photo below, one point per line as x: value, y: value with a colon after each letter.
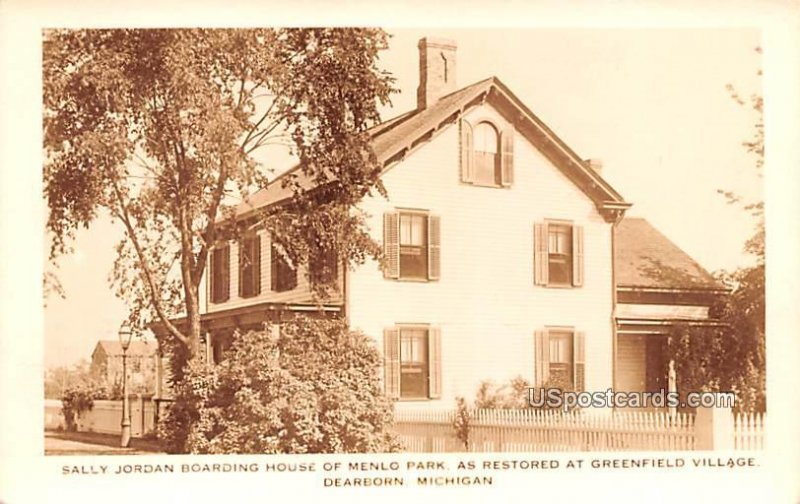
x: 125, y: 218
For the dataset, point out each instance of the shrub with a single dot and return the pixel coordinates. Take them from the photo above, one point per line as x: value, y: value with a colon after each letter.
x: 513, y: 395
x: 461, y: 422
x: 312, y: 388
x: 74, y: 401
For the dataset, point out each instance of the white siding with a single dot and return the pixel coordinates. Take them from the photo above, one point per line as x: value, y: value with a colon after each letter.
x: 486, y: 303
x: 631, y: 363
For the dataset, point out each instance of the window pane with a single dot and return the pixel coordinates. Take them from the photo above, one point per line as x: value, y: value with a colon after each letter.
x: 559, y: 245
x: 412, y: 229
x: 559, y: 239
x: 417, y: 230
x: 405, y: 229
x: 413, y: 363
x: 413, y: 246
x: 485, y: 138
x: 561, y: 347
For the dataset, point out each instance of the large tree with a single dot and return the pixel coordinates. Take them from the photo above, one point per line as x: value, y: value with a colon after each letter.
x: 160, y: 129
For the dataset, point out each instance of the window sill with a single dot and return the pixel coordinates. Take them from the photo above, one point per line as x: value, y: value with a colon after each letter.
x: 561, y: 286
x: 413, y: 399
x: 490, y: 186
x: 413, y: 280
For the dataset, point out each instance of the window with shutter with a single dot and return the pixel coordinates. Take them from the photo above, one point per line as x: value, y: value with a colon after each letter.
x: 558, y: 258
x: 412, y: 245
x: 220, y: 274
x: 560, y: 358
x: 487, y: 154
x: 412, y: 362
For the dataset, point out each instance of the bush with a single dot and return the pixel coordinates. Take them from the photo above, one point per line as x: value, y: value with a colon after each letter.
x: 74, y: 401
x: 314, y: 388
x: 513, y: 395
x: 461, y: 422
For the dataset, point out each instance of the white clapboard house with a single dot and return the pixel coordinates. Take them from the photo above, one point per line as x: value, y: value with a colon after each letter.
x: 507, y: 255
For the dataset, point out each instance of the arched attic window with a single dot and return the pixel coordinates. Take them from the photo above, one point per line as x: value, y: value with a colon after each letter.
x: 486, y: 145
x: 487, y: 154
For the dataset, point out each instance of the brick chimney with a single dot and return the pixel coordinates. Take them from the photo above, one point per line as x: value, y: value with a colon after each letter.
x: 437, y: 70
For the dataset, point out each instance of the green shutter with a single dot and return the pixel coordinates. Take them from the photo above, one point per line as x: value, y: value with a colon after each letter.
x: 579, y: 360
x: 507, y: 161
x: 540, y: 258
x: 577, y: 256
x: 391, y: 245
x: 466, y: 149
x: 391, y: 362
x: 434, y: 363
x: 541, y: 347
x: 434, y: 247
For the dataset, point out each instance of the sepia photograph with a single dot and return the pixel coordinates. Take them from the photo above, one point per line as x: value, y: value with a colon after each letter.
x: 360, y: 240
x: 258, y: 253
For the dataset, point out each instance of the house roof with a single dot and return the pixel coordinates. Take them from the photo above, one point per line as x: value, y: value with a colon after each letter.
x: 394, y: 138
x: 137, y: 348
x: 645, y: 258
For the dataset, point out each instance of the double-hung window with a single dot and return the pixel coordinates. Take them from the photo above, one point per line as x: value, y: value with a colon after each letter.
x: 250, y: 266
x: 220, y: 274
x: 412, y: 362
x: 559, y: 250
x: 412, y: 245
x: 558, y: 254
x: 559, y: 358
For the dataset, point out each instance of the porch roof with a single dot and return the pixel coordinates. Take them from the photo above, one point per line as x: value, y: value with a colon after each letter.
x: 645, y: 258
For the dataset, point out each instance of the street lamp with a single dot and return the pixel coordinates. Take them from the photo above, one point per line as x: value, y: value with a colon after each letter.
x: 125, y: 334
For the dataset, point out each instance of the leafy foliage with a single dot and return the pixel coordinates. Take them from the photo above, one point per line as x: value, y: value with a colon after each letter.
x: 162, y: 129
x: 512, y: 395
x: 461, y: 422
x: 74, y: 401
x: 312, y: 387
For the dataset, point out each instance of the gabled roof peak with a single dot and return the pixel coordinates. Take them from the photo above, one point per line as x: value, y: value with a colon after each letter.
x: 393, y: 139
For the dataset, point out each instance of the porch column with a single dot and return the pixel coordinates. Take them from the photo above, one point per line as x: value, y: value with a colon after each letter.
x: 671, y: 384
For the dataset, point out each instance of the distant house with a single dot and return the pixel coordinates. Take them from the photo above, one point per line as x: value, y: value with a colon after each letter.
x: 507, y: 254
x: 141, y: 356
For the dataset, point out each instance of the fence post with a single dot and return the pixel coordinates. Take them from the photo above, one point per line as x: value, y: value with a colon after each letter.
x: 713, y: 428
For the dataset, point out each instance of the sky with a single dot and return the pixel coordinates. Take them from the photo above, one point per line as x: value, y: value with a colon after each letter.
x: 651, y: 104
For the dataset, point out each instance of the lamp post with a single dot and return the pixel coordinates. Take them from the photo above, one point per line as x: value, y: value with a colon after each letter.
x: 125, y: 334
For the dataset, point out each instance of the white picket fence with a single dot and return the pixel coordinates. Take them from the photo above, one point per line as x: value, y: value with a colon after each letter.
x: 748, y: 431
x: 532, y: 430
